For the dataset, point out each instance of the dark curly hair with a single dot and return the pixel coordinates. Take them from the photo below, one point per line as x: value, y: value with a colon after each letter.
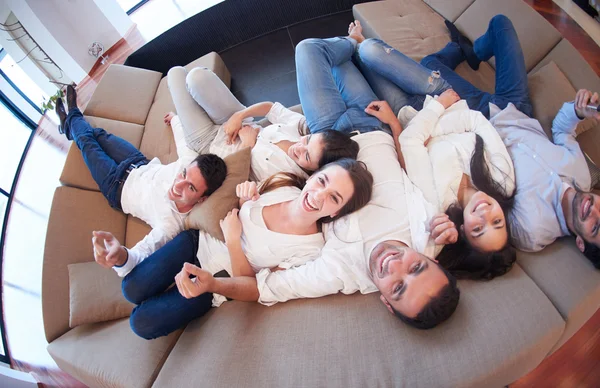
x: 461, y: 258
x: 214, y: 171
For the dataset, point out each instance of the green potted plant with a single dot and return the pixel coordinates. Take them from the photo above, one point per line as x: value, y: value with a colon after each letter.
x: 49, y: 105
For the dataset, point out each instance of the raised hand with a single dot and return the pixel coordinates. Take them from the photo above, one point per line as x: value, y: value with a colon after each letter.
x: 232, y: 127
x: 443, y: 231
x: 248, y: 135
x: 582, y: 99
x: 191, y: 288
x: 247, y: 191
x: 448, y: 98
x: 231, y: 226
x: 168, y: 117
x: 108, y: 251
x: 383, y: 111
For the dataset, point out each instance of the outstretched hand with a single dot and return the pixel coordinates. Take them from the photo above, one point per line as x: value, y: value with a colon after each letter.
x: 443, y: 231
x: 108, y: 251
x: 582, y: 99
x: 383, y: 111
x: 193, y: 287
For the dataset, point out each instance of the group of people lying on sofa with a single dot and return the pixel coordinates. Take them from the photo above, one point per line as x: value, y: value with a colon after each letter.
x: 377, y: 187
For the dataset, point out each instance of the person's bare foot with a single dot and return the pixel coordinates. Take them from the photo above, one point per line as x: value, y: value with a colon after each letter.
x: 355, y: 31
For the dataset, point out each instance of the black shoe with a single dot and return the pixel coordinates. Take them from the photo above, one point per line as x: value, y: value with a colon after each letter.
x: 71, y: 97
x: 62, y: 116
x: 465, y: 45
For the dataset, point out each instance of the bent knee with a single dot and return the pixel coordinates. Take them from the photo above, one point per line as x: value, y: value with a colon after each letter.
x: 371, y: 47
x: 308, y: 45
x: 142, y: 325
x: 199, y: 75
x: 501, y: 21
x: 131, y: 291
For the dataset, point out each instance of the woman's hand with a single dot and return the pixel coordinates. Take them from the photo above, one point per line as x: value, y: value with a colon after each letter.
x: 191, y: 288
x: 582, y: 99
x: 247, y: 191
x: 232, y: 127
x: 168, y: 117
x: 248, y: 135
x: 443, y: 231
x: 448, y: 98
x: 231, y: 226
x: 383, y: 111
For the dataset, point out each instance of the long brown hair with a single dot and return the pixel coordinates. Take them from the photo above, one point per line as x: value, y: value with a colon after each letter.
x: 362, y: 181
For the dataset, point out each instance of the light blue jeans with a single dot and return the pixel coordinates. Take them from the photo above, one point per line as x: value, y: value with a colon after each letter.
x: 396, y: 78
x: 333, y: 92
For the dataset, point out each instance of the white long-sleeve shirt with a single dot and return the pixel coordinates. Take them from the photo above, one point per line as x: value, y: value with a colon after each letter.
x: 267, y: 158
x: 145, y: 195
x: 397, y: 211
x: 263, y: 248
x: 437, y: 168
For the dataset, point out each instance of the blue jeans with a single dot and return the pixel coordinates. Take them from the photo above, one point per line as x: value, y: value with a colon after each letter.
x: 161, y: 310
x: 333, y: 92
x: 396, y: 78
x: 107, y: 156
x: 501, y: 41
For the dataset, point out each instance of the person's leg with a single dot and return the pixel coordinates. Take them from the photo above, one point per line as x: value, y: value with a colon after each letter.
x: 157, y: 272
x: 321, y: 100
x: 445, y: 61
x: 502, y: 42
x: 117, y: 148
x: 207, y: 89
x: 395, y: 77
x: 167, y: 312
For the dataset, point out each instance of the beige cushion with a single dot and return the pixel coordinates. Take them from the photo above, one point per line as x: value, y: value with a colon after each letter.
x: 124, y: 93
x: 136, y: 231
x: 74, y: 215
x: 501, y: 330
x: 410, y: 26
x: 450, y: 10
x: 95, y: 295
x: 199, y: 128
x: 214, y: 62
x: 589, y: 141
x: 109, y: 354
x: 75, y: 172
x: 207, y: 216
x: 549, y: 89
x: 568, y: 279
x: 536, y: 35
x: 484, y: 78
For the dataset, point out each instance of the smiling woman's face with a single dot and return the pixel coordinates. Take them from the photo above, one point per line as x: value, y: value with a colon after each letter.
x: 484, y: 223
x: 307, y: 152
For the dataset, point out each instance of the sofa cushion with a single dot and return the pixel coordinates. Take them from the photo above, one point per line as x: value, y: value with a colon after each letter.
x: 199, y: 128
x: 208, y: 215
x: 158, y: 140
x: 136, y: 231
x: 568, y: 279
x: 410, y: 26
x: 74, y: 215
x: 95, y: 294
x: 124, y: 93
x: 75, y: 172
x: 501, y: 330
x: 536, y: 35
x: 450, y: 10
x: 109, y: 354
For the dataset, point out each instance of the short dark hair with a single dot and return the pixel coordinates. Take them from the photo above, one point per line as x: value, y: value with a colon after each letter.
x: 592, y: 252
x: 336, y: 145
x: 439, y: 308
x: 214, y: 171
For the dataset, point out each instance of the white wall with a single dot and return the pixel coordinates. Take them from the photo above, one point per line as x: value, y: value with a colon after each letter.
x: 113, y: 12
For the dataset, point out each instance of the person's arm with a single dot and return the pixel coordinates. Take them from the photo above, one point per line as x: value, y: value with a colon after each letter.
x: 183, y: 151
x: 232, y: 231
x: 279, y: 114
x: 383, y: 111
x: 232, y: 126
x: 242, y: 288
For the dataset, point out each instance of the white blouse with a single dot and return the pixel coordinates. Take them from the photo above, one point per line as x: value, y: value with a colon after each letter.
x: 437, y: 168
x: 263, y: 247
x: 267, y: 158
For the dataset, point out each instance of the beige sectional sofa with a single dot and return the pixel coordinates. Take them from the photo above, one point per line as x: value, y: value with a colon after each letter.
x: 501, y: 330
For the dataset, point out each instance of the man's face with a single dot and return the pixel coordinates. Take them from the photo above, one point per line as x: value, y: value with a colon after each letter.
x: 189, y: 186
x: 586, y: 217
x: 406, y: 279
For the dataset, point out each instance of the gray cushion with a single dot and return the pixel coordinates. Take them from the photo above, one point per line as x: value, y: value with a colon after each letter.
x: 568, y: 279
x: 501, y: 330
x: 450, y: 10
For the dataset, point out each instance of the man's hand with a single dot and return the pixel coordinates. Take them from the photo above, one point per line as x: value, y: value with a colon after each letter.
x: 583, y: 98
x: 232, y: 127
x: 448, y: 98
x: 382, y: 110
x: 443, y: 231
x: 248, y: 135
x: 168, y: 117
x: 191, y: 288
x: 247, y: 191
x: 231, y: 227
x: 108, y: 251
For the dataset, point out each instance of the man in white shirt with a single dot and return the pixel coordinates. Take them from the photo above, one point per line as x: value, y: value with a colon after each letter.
x: 161, y: 195
x: 380, y: 247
